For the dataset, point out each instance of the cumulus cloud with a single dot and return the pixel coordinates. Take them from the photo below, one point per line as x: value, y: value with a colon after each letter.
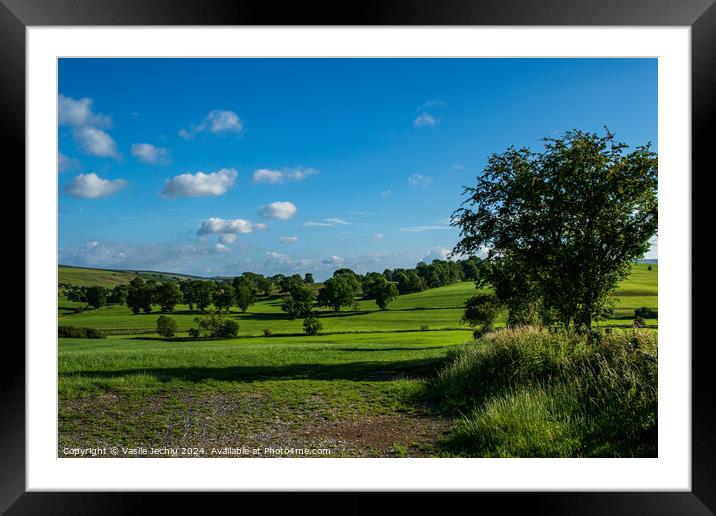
x: 78, y: 113
x: 274, y: 177
x: 419, y: 180
x: 437, y: 253
x: 95, y: 142
x: 227, y: 238
x: 653, y: 252
x: 217, y: 226
x: 288, y: 239
x: 329, y: 222
x: 87, y: 126
x: 282, y: 210
x: 148, y: 153
x: 216, y: 122
x: 200, y: 184
x: 91, y: 186
x: 377, y: 237
x: 65, y: 163
x: 426, y: 120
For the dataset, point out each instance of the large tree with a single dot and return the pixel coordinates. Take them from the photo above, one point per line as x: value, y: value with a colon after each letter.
x: 168, y: 295
x: 244, y: 292
x: 339, y: 290
x: 299, y: 301
x: 568, y: 221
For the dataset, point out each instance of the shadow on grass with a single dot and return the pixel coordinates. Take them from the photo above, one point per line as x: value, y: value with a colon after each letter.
x: 355, y: 371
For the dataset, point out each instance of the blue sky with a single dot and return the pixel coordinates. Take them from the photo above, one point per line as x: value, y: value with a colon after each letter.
x: 218, y: 166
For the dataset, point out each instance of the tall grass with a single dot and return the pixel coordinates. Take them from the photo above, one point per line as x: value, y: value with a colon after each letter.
x: 529, y: 392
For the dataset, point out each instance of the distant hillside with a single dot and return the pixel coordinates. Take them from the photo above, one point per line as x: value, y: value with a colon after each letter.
x: 86, y: 277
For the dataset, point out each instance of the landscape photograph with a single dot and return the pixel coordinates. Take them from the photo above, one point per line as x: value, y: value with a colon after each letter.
x: 357, y: 258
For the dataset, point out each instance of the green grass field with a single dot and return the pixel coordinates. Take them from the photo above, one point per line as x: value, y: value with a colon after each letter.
x: 354, y: 391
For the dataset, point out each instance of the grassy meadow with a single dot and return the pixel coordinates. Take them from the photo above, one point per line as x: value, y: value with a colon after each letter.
x: 365, y: 387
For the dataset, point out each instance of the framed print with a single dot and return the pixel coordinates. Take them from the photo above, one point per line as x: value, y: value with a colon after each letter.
x: 420, y: 248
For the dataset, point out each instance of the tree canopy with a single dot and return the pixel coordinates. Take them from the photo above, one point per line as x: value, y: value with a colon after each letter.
x: 565, y: 223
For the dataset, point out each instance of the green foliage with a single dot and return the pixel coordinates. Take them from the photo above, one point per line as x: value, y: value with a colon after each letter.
x: 646, y: 313
x: 217, y: 326
x: 267, y: 332
x: 299, y: 301
x: 223, y: 296
x: 481, y: 310
x: 78, y: 332
x: 166, y: 326
x: 168, y: 295
x: 385, y: 293
x: 311, y: 325
x: 567, y: 222
x: 339, y: 290
x: 96, y: 296
x: 520, y: 386
x: 308, y: 278
x: 140, y: 296
x: 244, y: 293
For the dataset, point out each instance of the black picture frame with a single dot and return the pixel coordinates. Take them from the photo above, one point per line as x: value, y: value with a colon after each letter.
x: 700, y: 15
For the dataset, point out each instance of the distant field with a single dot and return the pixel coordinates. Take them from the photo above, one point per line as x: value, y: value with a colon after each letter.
x: 86, y: 277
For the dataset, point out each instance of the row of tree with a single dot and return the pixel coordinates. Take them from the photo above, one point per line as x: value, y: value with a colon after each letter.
x: 299, y: 292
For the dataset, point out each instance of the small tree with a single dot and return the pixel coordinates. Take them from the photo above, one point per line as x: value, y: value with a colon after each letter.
x: 244, y: 293
x: 481, y: 310
x: 166, y: 326
x: 311, y: 325
x: 385, y: 293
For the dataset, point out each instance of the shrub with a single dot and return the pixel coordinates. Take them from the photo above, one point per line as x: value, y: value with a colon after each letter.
x: 645, y: 312
x: 229, y: 329
x: 639, y: 322
x: 77, y: 332
x: 311, y: 325
x: 481, y: 311
x: 530, y: 392
x: 424, y: 327
x: 267, y: 332
x: 166, y: 326
x: 194, y: 333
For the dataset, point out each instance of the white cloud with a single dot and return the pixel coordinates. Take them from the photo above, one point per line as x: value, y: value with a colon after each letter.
x: 421, y: 229
x: 385, y: 193
x: 420, y: 180
x: 219, y: 248
x: 434, y: 103
x: 437, y: 253
x: 91, y: 186
x: 653, y: 252
x: 274, y: 177
x: 282, y: 210
x: 217, y: 226
x: 95, y: 142
x: 458, y: 166
x: 122, y: 255
x: 65, y: 163
x: 200, y: 184
x: 329, y: 222
x: 227, y: 238
x: 333, y: 260
x: 377, y: 237
x: 148, y: 153
x: 288, y: 239
x: 216, y: 122
x: 426, y: 120
x: 78, y: 113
